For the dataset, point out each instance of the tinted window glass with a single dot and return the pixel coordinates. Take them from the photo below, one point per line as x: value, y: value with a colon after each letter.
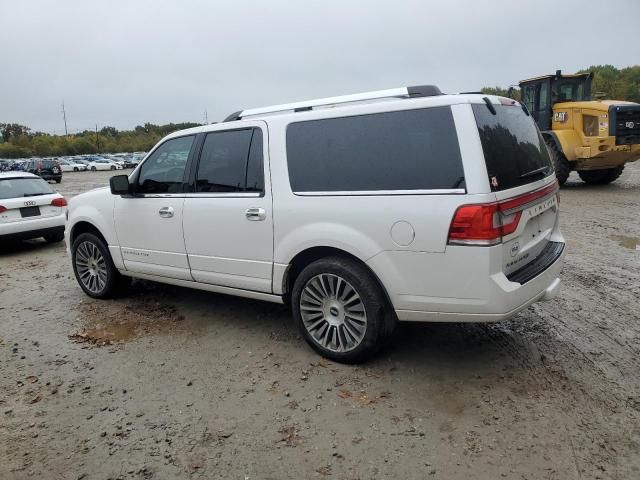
x: 409, y: 150
x: 231, y: 161
x: 163, y: 171
x: 23, y: 187
x: 514, y: 150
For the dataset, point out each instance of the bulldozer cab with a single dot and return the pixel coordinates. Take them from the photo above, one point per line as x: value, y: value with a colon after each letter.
x: 540, y: 94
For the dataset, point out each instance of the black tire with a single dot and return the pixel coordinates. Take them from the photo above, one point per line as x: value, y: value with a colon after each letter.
x: 54, y: 237
x: 379, y: 316
x: 561, y: 165
x: 114, y: 283
x: 113, y: 167
x: 93, y: 169
x: 75, y: 169
x: 601, y: 177
x: 58, y: 180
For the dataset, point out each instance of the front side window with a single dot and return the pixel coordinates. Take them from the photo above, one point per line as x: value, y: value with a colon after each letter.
x: 405, y: 150
x: 231, y: 161
x: 163, y: 171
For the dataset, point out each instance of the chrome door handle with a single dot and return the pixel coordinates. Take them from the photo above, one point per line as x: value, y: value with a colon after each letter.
x: 166, y: 212
x: 255, y: 214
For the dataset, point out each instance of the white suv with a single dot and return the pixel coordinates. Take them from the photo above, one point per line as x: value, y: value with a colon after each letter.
x: 358, y: 211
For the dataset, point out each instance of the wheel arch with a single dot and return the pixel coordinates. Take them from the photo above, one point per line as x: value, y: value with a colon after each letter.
x: 84, y: 226
x: 312, y: 254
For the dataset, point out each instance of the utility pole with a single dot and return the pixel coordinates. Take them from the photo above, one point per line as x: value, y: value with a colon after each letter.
x: 64, y: 116
x: 206, y: 118
x: 97, y: 139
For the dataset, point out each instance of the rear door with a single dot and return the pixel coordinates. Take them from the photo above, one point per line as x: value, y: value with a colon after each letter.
x: 521, y: 175
x: 228, y: 217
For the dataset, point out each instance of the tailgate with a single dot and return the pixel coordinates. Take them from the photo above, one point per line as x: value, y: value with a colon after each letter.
x: 18, y: 209
x: 530, y: 248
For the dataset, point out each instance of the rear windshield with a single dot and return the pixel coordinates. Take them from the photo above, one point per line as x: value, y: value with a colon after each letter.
x: 514, y: 150
x: 406, y: 150
x: 23, y: 187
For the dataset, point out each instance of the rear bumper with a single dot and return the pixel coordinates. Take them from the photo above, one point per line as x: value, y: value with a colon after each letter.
x: 464, y: 292
x: 34, y: 228
x: 417, y: 316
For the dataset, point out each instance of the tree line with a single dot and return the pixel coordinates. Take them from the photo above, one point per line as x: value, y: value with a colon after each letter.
x: 19, y: 141
x: 614, y: 83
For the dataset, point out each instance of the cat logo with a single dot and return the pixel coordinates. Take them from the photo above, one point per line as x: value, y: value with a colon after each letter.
x: 561, y: 117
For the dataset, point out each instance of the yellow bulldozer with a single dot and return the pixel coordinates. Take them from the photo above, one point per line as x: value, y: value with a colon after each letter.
x: 594, y: 137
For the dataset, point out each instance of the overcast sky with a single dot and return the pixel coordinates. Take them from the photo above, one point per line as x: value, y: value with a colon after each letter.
x: 123, y: 63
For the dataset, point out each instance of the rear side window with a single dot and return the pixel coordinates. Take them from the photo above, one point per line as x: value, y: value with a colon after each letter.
x: 231, y: 161
x: 407, y: 150
x: 24, y: 187
x: 514, y: 150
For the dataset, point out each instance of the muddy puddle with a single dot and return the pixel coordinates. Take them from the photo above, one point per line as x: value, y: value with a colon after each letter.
x: 632, y: 243
x: 109, y: 322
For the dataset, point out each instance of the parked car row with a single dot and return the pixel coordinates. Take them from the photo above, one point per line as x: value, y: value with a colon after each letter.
x: 52, y: 168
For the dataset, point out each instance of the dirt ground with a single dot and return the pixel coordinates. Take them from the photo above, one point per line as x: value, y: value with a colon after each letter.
x: 174, y: 383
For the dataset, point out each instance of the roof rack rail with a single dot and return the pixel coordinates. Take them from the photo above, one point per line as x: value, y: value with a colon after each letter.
x: 403, y: 92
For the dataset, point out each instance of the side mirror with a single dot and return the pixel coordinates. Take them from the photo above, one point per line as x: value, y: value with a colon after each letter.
x: 120, y: 185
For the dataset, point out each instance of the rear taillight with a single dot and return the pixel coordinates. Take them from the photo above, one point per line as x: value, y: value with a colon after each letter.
x: 488, y: 223
x: 59, y: 202
x: 481, y: 224
x: 3, y: 209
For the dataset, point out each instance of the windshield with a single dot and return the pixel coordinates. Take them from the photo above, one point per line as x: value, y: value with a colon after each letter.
x: 514, y: 150
x: 568, y: 91
x: 23, y: 187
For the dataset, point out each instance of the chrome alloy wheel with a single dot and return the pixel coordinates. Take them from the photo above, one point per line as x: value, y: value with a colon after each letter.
x: 333, y: 312
x: 91, y: 267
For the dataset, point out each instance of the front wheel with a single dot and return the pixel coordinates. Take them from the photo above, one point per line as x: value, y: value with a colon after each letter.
x: 75, y: 169
x: 601, y: 177
x: 113, y: 167
x: 341, y: 309
x: 560, y: 162
x: 94, y: 270
x: 93, y: 169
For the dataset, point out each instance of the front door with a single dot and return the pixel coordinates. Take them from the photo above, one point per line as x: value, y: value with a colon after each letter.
x: 149, y: 224
x: 228, y: 221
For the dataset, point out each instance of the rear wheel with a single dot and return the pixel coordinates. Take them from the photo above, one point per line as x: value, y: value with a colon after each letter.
x: 113, y: 167
x: 93, y: 169
x: 94, y: 270
x: 341, y: 309
x: 75, y: 169
x: 560, y: 162
x: 601, y: 177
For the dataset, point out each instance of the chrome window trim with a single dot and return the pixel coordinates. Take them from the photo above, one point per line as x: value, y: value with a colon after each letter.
x: 348, y: 193
x: 224, y: 195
